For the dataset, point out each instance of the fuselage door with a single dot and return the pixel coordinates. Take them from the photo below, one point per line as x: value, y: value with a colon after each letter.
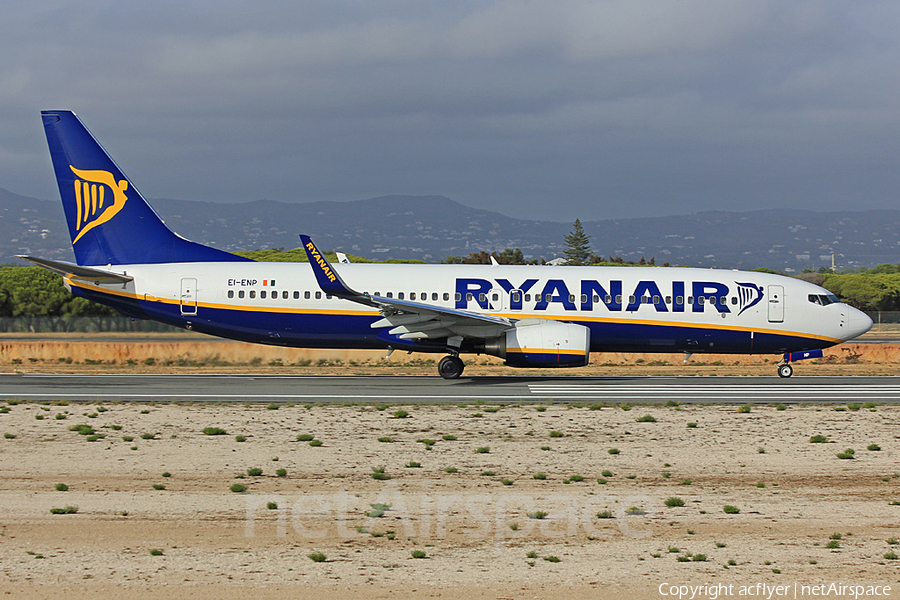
x: 776, y: 303
x: 188, y: 296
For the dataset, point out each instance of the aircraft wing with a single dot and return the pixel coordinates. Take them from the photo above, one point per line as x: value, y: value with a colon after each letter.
x: 407, y: 319
x: 67, y: 269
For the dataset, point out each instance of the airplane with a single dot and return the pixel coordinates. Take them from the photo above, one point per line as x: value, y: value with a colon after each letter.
x: 530, y: 316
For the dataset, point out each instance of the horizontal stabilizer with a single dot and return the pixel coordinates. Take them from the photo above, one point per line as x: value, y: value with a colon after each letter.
x: 67, y: 269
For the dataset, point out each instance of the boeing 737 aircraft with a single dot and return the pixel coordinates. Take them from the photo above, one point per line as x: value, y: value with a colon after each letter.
x: 531, y: 316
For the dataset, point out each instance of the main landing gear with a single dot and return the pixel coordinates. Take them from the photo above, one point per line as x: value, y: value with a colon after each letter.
x: 785, y: 370
x: 451, y: 367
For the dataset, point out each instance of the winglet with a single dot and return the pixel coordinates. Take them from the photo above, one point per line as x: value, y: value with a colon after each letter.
x: 326, y: 276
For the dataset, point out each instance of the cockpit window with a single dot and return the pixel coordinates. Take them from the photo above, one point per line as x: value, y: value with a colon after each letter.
x: 823, y: 299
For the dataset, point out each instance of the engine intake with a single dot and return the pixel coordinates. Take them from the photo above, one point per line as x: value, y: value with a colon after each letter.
x: 542, y: 343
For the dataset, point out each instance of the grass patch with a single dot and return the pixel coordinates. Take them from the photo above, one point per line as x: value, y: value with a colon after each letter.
x: 379, y: 474
x: 156, y: 552
x: 413, y: 465
x: 744, y: 409
x: 317, y: 557
x: 449, y: 437
x: 847, y: 454
x: 556, y: 434
x: 238, y: 488
x: 818, y: 439
x: 646, y: 419
x: 451, y: 470
x: 305, y: 437
x: 674, y: 501
x: 400, y: 414
x: 731, y: 510
x: 613, y: 451
x: 483, y: 450
x: 418, y: 554
x: 873, y: 448
x: 691, y: 425
x: 540, y: 476
x: 61, y: 487
x: 386, y: 439
x: 538, y: 514
x: 316, y: 443
x: 158, y: 486
x: 254, y: 471
x: 214, y: 431
x: 240, y: 438
x: 68, y: 510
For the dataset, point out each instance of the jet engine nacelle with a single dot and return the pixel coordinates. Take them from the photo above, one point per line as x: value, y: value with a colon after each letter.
x: 542, y: 343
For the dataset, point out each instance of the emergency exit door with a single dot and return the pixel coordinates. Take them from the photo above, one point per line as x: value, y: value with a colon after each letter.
x: 188, y: 296
x: 776, y: 303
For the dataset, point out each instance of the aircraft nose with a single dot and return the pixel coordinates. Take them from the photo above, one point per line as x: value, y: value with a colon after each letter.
x: 858, y: 323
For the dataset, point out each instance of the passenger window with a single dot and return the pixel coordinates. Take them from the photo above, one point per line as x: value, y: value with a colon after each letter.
x: 690, y: 300
x: 306, y: 295
x: 390, y: 294
x: 655, y: 299
x: 527, y: 297
x: 296, y: 295
x: 668, y: 299
x: 400, y: 296
x: 318, y: 295
x: 618, y: 298
x: 549, y: 297
x: 482, y: 297
x: 734, y: 300
x: 701, y: 300
x: 446, y: 296
x: 328, y: 296
x: 469, y: 297
x: 424, y: 295
x: 262, y: 294
x: 608, y: 299
x: 434, y: 296
x: 495, y: 297
x: 571, y: 297
x: 284, y: 295
x: 679, y: 300
x: 241, y: 294
x: 515, y: 296
x: 584, y: 298
x: 253, y: 293
x: 630, y: 299
x: 723, y: 300
x: 412, y: 295
x: 596, y: 298
x: 457, y: 296
x: 231, y: 293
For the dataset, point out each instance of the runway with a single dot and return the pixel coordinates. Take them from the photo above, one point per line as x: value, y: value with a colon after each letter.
x: 389, y: 389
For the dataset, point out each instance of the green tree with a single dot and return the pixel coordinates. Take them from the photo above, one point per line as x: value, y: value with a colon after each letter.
x: 578, y: 246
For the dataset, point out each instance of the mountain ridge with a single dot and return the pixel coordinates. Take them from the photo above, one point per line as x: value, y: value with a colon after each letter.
x: 433, y: 227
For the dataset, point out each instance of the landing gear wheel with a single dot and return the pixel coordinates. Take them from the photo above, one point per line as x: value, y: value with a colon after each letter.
x: 785, y: 370
x: 451, y: 367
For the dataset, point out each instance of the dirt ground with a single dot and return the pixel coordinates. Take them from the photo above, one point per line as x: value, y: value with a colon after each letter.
x: 805, y: 516
x: 632, y: 506
x: 195, y: 353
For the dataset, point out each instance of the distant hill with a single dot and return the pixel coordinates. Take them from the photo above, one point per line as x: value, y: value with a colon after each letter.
x: 431, y: 228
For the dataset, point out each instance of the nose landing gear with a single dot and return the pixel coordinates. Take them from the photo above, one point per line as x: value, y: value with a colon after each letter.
x: 785, y: 370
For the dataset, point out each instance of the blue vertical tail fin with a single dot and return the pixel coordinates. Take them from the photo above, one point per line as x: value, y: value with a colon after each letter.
x: 109, y: 221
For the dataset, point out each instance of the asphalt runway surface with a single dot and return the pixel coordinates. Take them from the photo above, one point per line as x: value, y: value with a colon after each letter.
x: 392, y: 389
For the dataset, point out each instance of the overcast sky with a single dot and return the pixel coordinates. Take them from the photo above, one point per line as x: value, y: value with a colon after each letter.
x: 543, y: 110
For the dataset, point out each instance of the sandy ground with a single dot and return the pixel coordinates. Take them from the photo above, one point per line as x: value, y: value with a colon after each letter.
x: 472, y: 523
x: 195, y: 353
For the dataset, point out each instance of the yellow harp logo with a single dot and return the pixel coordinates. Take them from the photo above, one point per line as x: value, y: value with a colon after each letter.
x: 92, y: 207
